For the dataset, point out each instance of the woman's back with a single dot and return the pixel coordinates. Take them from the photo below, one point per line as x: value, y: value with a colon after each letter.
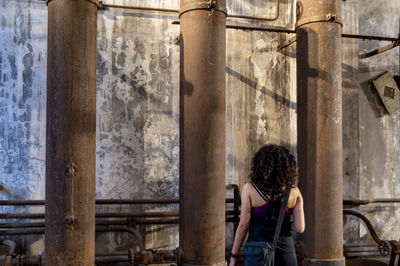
x: 265, y: 213
x: 273, y: 170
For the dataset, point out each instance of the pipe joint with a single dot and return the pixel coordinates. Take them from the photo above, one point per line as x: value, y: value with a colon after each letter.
x: 212, y: 5
x: 97, y: 3
x: 335, y: 18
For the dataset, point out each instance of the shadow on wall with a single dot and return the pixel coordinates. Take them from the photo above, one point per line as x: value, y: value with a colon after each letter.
x: 253, y: 84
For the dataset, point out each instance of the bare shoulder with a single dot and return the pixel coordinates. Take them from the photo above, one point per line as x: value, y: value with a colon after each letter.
x: 295, y: 189
x: 296, y: 192
x: 246, y: 188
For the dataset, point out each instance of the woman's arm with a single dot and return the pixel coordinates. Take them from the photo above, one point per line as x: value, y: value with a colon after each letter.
x: 244, y: 223
x: 298, y: 224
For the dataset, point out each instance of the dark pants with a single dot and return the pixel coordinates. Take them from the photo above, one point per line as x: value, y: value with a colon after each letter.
x: 284, y: 255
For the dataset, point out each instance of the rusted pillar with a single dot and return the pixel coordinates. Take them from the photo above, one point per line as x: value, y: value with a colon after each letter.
x: 71, y: 131
x: 319, y: 98
x: 202, y: 132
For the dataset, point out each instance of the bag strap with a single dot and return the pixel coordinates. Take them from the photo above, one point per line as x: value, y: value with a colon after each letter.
x: 280, y: 220
x: 259, y: 192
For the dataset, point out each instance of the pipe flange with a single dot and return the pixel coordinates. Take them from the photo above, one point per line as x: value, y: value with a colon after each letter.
x: 321, y: 18
x: 97, y: 3
x: 209, y: 5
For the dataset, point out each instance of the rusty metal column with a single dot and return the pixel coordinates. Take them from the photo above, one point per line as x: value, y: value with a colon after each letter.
x: 319, y: 98
x: 71, y: 132
x: 202, y: 132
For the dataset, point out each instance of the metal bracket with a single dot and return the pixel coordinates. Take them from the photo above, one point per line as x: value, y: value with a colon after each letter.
x: 286, y: 43
x: 70, y: 172
x: 209, y: 5
x: 381, y: 49
x: 321, y: 18
x: 94, y: 2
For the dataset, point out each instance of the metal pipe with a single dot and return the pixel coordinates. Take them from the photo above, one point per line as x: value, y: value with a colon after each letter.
x: 202, y: 132
x: 34, y: 231
x: 101, y: 202
x: 319, y: 82
x: 21, y: 202
x: 111, y: 259
x: 369, y: 37
x: 137, y: 215
x: 100, y: 215
x: 71, y: 132
x: 275, y: 17
x: 105, y: 223
x: 368, y: 201
x: 380, y: 50
x: 104, y: 6
x: 367, y: 223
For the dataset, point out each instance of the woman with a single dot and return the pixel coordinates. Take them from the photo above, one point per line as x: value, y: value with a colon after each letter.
x: 274, y: 169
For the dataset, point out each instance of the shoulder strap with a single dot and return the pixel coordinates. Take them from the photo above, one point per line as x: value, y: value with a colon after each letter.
x: 259, y: 192
x: 280, y: 220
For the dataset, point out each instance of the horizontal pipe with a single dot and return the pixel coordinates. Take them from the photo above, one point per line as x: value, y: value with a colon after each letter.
x: 103, y: 6
x: 21, y: 202
x: 111, y: 259
x: 368, y: 201
x: 39, y: 231
x: 98, y: 215
x: 369, y: 37
x: 100, y: 202
x: 41, y: 224
x: 35, y: 231
x: 104, y: 223
x: 275, y: 17
x: 21, y: 225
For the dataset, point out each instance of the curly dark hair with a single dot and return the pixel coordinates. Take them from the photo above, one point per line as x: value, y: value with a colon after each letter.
x: 273, y: 168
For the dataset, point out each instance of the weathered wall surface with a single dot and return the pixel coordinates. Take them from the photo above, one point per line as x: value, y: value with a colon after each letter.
x: 350, y: 89
x: 23, y: 46
x: 261, y: 98
x: 138, y: 113
x: 379, y: 132
x: 370, y: 136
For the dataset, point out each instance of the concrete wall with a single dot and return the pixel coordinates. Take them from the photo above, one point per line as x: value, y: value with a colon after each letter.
x: 138, y: 114
x: 379, y: 133
x: 351, y: 151
x: 23, y: 46
x: 370, y: 135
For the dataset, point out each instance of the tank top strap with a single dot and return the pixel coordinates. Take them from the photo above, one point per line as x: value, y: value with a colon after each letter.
x: 259, y: 191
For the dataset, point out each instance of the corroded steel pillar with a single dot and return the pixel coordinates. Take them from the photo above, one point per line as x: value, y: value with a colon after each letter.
x: 319, y: 110
x: 202, y: 132
x: 71, y: 131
